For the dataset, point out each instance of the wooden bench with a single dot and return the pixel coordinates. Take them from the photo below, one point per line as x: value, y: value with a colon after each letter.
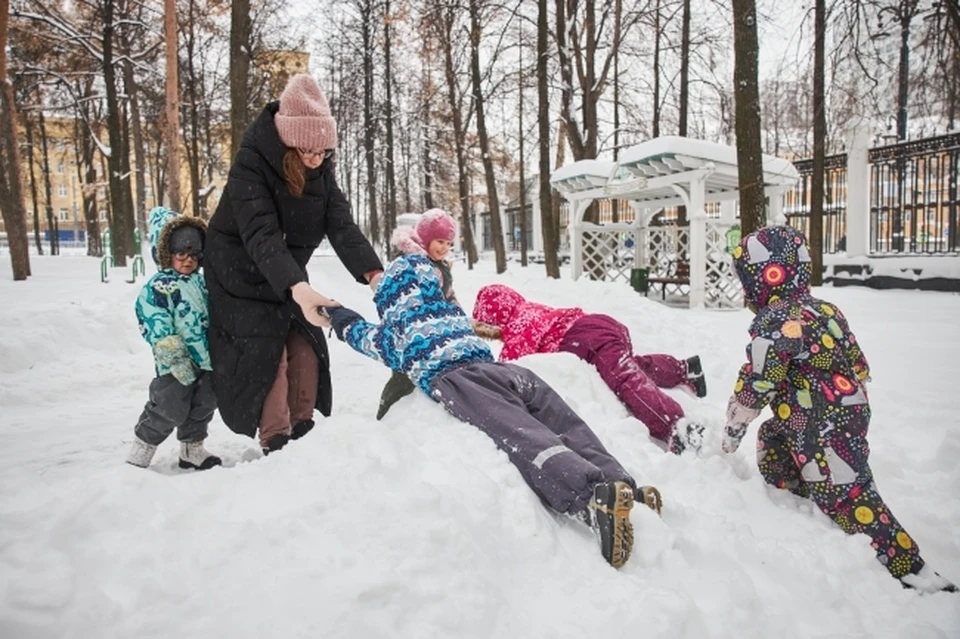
x: 680, y: 276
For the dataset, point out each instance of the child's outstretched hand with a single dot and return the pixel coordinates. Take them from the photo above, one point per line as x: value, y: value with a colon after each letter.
x: 738, y: 420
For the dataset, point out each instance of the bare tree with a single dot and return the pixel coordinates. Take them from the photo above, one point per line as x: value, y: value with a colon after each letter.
x: 240, y: 33
x: 11, y: 188
x: 746, y: 49
x: 819, y: 141
x: 547, y: 223
x: 445, y: 23
x: 390, y: 219
x: 173, y: 104
x: 493, y: 199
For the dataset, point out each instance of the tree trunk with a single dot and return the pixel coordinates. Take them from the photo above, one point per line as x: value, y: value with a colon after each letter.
x: 815, y: 240
x: 391, y: 208
x: 493, y: 200
x: 11, y: 187
x: 31, y: 164
x: 459, y: 135
x: 240, y: 29
x: 47, y: 186
x: 193, y: 151
x: 136, y: 126
x: 368, y: 121
x: 173, y: 105
x: 547, y: 223
x: 119, y: 230
x: 753, y: 208
x: 615, y: 204
x: 684, y: 88
x: 426, y: 141
x: 656, y: 70
x: 88, y: 178
x: 523, y: 177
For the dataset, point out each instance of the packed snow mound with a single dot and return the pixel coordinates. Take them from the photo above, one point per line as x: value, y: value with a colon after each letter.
x: 417, y: 526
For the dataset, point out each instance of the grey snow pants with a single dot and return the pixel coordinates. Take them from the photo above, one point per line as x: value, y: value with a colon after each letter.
x: 555, y: 451
x: 173, y: 406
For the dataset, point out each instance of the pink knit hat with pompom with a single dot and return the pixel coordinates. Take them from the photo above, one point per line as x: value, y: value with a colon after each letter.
x: 304, y: 120
x: 435, y: 224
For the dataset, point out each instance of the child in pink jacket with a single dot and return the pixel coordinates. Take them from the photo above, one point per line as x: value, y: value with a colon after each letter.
x: 528, y: 327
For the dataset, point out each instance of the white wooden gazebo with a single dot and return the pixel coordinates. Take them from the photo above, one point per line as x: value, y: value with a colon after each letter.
x: 659, y: 173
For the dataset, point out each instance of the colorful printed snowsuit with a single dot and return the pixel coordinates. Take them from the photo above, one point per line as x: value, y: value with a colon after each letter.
x: 431, y: 340
x: 805, y: 362
x: 529, y: 327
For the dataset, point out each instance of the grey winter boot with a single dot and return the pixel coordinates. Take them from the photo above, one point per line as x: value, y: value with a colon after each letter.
x: 194, y: 455
x: 141, y: 453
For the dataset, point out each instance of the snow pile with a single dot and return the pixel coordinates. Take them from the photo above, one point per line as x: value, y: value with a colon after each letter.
x: 417, y: 526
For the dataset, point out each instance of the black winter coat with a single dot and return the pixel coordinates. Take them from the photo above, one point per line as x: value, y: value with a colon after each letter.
x: 258, y: 244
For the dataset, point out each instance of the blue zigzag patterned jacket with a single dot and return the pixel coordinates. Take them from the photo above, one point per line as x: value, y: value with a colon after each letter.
x: 420, y: 333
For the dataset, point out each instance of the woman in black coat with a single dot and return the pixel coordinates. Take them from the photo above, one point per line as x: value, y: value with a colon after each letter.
x: 270, y: 361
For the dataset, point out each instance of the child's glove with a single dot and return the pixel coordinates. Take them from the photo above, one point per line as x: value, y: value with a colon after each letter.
x: 738, y: 420
x: 396, y: 388
x: 341, y: 318
x: 172, y: 356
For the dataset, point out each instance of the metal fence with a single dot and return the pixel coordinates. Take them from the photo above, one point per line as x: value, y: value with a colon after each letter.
x: 914, y: 203
x: 913, y: 196
x: 797, y: 205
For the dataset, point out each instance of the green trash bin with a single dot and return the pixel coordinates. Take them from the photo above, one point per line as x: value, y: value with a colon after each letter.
x: 638, y: 279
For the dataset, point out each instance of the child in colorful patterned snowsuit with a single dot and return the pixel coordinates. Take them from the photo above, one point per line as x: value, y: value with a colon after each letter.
x: 433, y: 236
x: 431, y: 340
x: 528, y: 327
x: 805, y: 362
x: 172, y: 313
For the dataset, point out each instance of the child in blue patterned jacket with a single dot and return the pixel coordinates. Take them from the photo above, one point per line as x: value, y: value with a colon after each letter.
x: 430, y: 339
x: 173, y: 317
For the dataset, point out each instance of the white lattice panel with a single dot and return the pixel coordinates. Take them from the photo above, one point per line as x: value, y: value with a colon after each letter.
x: 608, y: 255
x: 722, y: 286
x: 665, y: 245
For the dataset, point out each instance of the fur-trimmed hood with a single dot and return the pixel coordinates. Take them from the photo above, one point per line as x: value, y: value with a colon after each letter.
x: 163, y: 222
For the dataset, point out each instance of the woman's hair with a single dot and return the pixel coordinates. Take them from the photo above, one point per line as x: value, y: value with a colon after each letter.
x: 294, y: 172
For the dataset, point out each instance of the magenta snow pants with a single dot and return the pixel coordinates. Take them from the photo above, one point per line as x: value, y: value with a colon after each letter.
x: 635, y: 379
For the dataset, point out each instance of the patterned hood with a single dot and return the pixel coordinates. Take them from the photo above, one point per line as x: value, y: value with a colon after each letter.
x: 496, y: 304
x: 163, y: 222
x: 773, y: 263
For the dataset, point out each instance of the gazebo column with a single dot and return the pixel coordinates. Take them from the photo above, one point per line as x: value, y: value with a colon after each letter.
x: 577, y: 209
x: 775, y: 214
x: 698, y: 242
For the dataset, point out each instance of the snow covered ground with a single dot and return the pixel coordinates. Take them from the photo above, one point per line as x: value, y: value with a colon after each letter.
x: 417, y: 526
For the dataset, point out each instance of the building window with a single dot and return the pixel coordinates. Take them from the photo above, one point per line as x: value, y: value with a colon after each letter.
x: 148, y: 190
x: 62, y: 190
x: 60, y: 145
x: 63, y: 215
x: 61, y: 167
x: 103, y: 215
x: 101, y: 193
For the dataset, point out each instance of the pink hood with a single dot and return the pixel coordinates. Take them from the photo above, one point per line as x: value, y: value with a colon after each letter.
x: 527, y: 327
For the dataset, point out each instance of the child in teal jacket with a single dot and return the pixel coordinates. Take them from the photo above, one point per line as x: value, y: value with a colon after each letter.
x: 173, y: 317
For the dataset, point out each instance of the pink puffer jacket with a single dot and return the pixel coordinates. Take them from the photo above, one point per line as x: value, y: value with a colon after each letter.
x: 527, y: 327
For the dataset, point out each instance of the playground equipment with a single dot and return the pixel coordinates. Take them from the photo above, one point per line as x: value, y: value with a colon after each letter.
x: 107, y: 262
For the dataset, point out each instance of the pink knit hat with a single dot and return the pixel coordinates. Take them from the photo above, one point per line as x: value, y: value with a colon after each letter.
x: 436, y: 224
x: 304, y: 120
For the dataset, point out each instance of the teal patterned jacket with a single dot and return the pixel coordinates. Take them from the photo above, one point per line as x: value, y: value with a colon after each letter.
x: 171, y: 304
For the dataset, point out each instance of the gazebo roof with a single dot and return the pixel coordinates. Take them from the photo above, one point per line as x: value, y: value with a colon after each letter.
x: 647, y: 172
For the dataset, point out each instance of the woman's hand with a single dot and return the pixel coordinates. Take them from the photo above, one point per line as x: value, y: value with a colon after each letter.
x: 373, y: 280
x: 309, y: 302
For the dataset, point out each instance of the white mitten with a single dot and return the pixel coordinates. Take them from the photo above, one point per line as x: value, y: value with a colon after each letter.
x: 738, y: 420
